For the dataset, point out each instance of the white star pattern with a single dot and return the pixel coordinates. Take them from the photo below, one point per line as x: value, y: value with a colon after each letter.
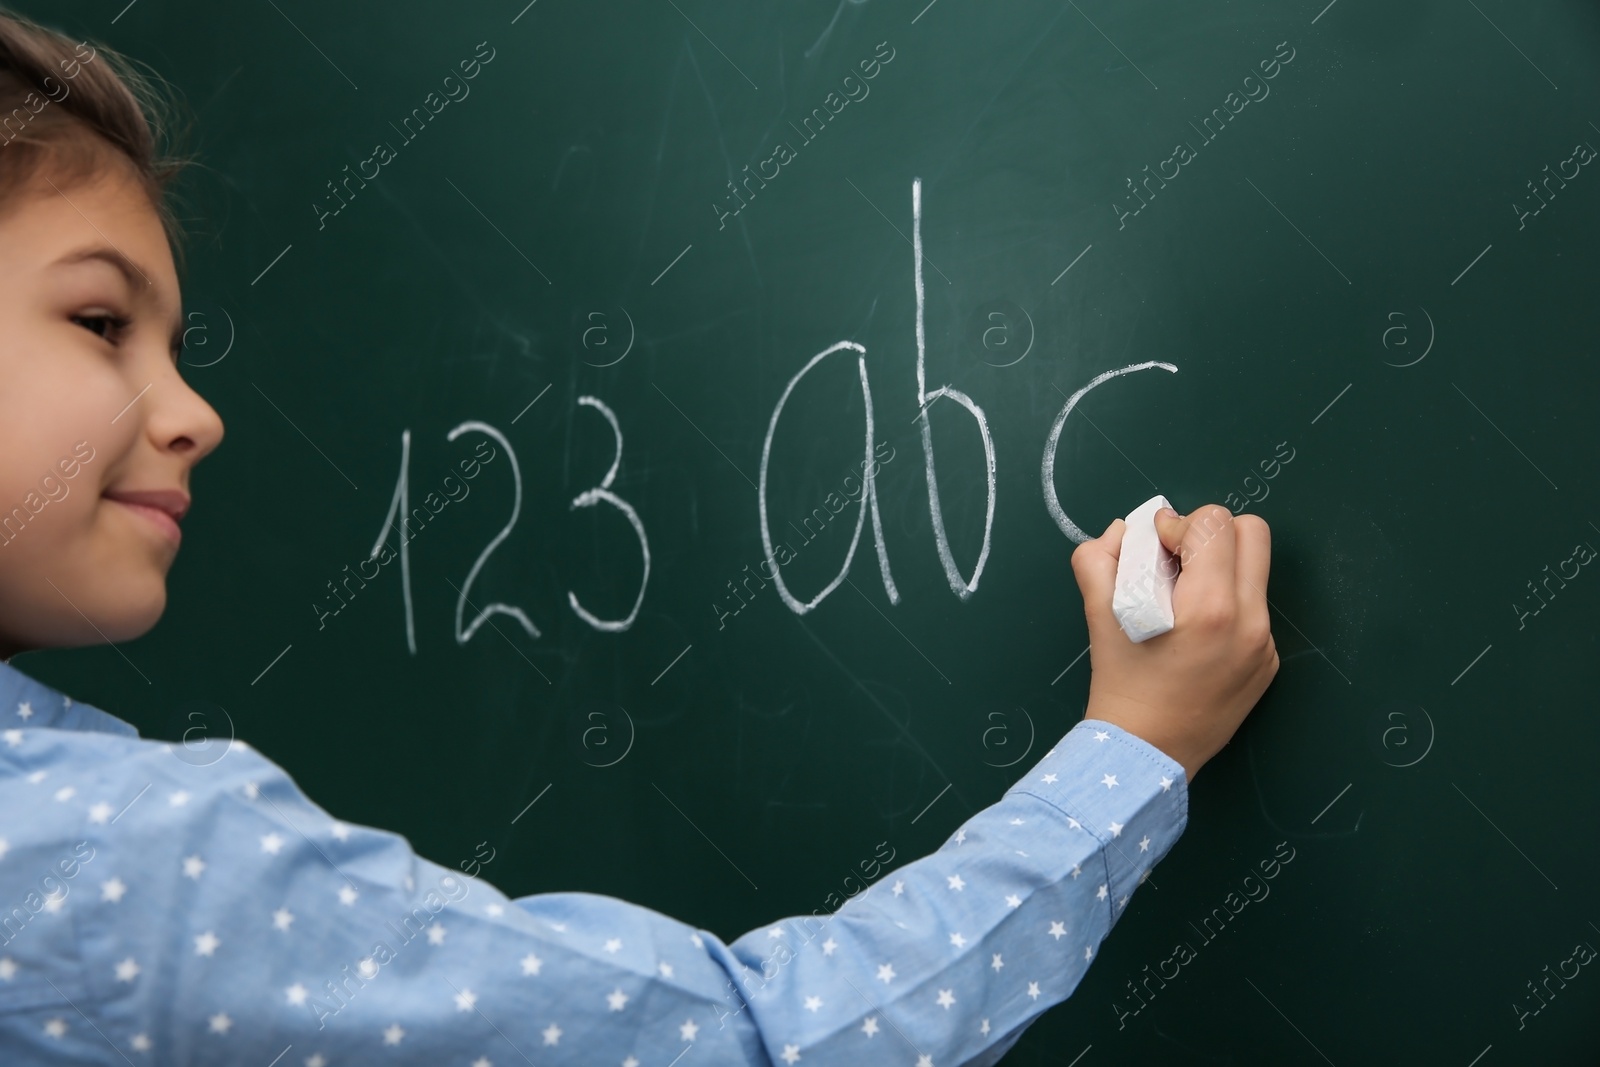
x: 498, y: 931
x: 25, y: 710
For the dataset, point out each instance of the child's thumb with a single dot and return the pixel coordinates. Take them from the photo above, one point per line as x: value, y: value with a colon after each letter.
x: 1171, y: 527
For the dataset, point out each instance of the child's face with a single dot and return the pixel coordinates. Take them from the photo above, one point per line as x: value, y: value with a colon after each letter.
x: 88, y: 369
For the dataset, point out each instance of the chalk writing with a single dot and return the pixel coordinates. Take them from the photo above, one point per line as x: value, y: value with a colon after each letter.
x: 1047, y: 469
x: 961, y: 586
x: 603, y: 493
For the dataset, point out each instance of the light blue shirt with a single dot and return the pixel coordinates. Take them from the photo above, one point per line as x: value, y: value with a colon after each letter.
x: 155, y: 911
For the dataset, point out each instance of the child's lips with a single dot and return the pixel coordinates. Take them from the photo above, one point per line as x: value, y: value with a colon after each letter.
x: 161, y: 507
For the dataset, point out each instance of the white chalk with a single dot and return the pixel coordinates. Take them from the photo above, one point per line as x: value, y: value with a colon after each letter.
x: 1146, y: 573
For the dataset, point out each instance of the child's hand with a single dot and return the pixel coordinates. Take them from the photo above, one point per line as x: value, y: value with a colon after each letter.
x: 1186, y: 691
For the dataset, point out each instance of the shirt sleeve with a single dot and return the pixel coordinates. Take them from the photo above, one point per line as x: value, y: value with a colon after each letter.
x: 221, y: 916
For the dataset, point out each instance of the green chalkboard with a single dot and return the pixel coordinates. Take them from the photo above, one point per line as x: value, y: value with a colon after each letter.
x: 550, y: 272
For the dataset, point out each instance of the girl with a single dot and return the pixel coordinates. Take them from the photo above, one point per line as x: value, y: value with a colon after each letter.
x: 152, y: 911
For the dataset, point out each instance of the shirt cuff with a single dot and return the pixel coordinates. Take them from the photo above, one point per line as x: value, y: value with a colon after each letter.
x: 1123, y: 791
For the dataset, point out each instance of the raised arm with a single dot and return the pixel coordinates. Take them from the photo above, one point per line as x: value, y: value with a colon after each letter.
x: 221, y: 916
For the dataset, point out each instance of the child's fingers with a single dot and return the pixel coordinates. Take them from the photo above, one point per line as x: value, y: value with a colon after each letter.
x: 1094, y: 564
x: 1204, y: 543
x: 1253, y: 550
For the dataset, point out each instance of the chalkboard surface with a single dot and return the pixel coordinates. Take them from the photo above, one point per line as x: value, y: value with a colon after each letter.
x: 585, y: 312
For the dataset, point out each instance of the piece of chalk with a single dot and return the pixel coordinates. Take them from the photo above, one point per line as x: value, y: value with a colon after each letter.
x: 1146, y: 573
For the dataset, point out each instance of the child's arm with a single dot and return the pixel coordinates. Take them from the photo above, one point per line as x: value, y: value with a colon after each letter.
x: 223, y: 917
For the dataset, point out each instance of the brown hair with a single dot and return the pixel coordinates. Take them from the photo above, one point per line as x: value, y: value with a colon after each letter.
x: 78, y: 110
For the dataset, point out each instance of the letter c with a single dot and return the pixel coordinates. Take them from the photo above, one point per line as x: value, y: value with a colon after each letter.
x: 1047, y: 470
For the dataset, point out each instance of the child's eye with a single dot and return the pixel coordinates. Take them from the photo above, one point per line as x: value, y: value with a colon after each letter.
x: 107, y: 327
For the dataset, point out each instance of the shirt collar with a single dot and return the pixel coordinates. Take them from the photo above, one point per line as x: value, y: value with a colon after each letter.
x: 27, y: 702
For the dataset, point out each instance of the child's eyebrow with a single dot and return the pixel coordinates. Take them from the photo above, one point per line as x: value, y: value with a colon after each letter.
x: 127, y: 267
